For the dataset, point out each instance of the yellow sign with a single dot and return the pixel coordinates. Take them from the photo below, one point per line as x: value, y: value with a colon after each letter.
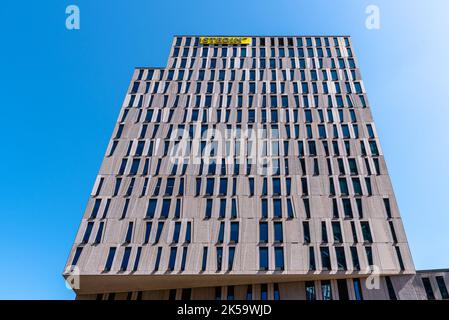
x: 225, y: 40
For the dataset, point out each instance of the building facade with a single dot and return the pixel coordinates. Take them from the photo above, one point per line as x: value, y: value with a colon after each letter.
x: 247, y: 168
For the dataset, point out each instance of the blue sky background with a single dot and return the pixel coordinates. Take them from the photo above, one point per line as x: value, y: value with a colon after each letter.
x: 61, y: 92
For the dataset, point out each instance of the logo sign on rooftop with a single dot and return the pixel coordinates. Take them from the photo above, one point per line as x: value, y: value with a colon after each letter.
x: 225, y: 40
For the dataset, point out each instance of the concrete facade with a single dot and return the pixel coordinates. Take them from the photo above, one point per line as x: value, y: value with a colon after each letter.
x: 319, y: 221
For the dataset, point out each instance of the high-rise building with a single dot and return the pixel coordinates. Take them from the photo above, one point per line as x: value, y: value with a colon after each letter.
x: 247, y: 168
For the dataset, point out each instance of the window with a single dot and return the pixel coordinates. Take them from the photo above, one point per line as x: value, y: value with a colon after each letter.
x: 312, y: 265
x: 428, y: 288
x: 151, y: 208
x: 290, y: 213
x: 263, y: 258
x: 264, y: 208
x: 136, y: 261
x: 99, y: 233
x: 219, y: 258
x: 336, y: 230
x: 326, y: 290
x: 278, y: 234
x: 186, y: 293
x: 160, y: 227
x: 188, y: 232
x: 276, y: 186
x: 366, y: 231
x: 310, y: 290
x: 231, y: 258
x: 204, y: 263
x: 387, y: 207
x: 342, y: 286
x: 276, y: 295
x: 277, y: 208
x: 209, y: 204
x: 323, y: 232
x: 442, y: 287
x: 234, y: 232
x: 263, y: 232
x: 341, y: 259
x: 263, y: 292
x: 390, y: 288
x: 77, y: 255
x: 223, y: 186
x: 249, y: 292
x: 306, y: 230
x: 87, y: 232
x: 355, y: 258
x: 110, y: 259
x: 210, y: 186
x: 184, y: 258
x: 347, y: 208
x: 129, y: 233
x: 176, y: 232
x: 125, y: 259
x: 357, y: 289
x: 230, y: 295
x: 325, y: 258
x: 279, y: 258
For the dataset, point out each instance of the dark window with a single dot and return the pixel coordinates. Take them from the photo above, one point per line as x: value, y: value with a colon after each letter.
x: 129, y: 233
x: 125, y: 259
x: 387, y: 207
x: 276, y: 295
x: 306, y: 230
x: 263, y: 258
x: 230, y: 295
x: 310, y: 290
x: 172, y: 260
x: 263, y: 232
x: 165, y: 208
x: 77, y: 255
x: 279, y: 258
x: 277, y: 208
x: 234, y: 232
x: 176, y: 232
x: 87, y: 232
x: 208, y: 208
x: 188, y: 232
x: 186, y: 293
x: 390, y: 288
x: 231, y: 258
x: 355, y: 258
x: 249, y: 292
x: 151, y: 208
x: 184, y: 258
x: 264, y: 208
x: 336, y: 230
x: 342, y: 286
x: 325, y: 258
x: 366, y: 231
x: 160, y: 227
x: 147, y: 232
x: 278, y: 234
x: 341, y: 259
x: 428, y: 288
x: 158, y: 259
x: 442, y: 287
x: 312, y: 265
x: 204, y: 263
x: 110, y: 259
x: 263, y: 292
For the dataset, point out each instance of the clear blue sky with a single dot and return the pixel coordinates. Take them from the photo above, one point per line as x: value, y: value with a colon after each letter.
x: 61, y: 92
